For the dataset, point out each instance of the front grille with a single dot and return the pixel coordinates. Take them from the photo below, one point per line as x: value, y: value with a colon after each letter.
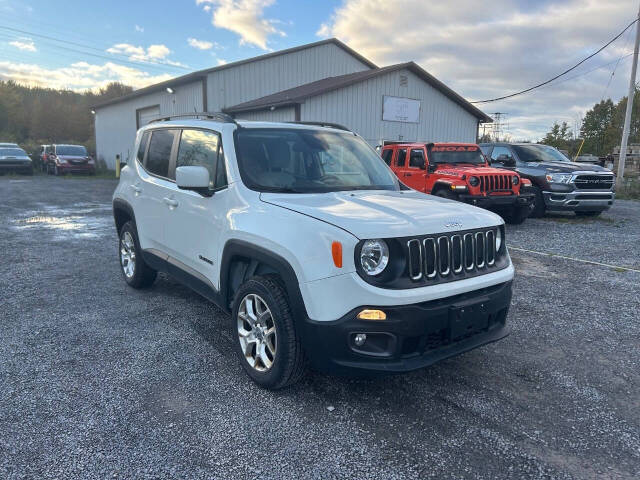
x: 446, y: 256
x: 489, y: 183
x: 594, y: 182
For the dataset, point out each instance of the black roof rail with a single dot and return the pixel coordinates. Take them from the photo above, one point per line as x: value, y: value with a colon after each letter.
x: 324, y: 124
x: 219, y: 116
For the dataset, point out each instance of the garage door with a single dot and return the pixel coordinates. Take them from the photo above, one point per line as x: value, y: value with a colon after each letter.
x: 145, y: 115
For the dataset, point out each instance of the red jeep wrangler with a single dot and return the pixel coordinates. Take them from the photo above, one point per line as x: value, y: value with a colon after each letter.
x: 460, y: 171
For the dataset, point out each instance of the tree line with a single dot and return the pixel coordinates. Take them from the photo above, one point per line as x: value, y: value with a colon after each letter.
x: 601, y: 129
x: 32, y: 116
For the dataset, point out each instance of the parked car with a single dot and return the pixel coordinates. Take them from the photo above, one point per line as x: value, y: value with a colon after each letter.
x: 588, y: 158
x: 558, y: 183
x: 459, y: 171
x: 311, y: 243
x: 62, y: 159
x: 14, y: 159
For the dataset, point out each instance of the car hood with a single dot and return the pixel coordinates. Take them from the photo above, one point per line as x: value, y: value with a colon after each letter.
x: 567, y: 167
x: 385, y: 214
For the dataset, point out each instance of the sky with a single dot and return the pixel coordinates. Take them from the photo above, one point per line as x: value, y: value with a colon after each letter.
x: 482, y: 50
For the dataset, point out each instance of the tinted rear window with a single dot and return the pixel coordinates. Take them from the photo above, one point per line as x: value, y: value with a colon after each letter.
x: 159, y: 153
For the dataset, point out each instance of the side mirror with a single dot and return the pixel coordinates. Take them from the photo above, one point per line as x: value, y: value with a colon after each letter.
x: 432, y: 168
x: 194, y: 178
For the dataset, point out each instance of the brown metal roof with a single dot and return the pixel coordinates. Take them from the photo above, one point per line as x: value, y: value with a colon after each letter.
x: 299, y: 94
x: 194, y: 76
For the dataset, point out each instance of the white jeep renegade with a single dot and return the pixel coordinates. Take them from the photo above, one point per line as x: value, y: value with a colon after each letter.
x: 305, y: 236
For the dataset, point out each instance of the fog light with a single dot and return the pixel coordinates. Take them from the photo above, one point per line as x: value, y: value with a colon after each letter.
x: 372, y: 315
x: 359, y: 339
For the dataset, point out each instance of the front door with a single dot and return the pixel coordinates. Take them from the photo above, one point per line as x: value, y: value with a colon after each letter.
x: 193, y: 233
x: 416, y: 173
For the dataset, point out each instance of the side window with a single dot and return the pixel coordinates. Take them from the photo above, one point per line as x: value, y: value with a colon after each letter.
x: 159, y: 154
x: 199, y: 147
x: 386, y: 155
x: 416, y: 159
x: 401, y: 159
x: 497, y: 151
x: 143, y: 146
x: 221, y: 170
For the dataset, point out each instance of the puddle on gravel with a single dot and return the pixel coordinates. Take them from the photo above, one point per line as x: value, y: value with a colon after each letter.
x: 78, y: 221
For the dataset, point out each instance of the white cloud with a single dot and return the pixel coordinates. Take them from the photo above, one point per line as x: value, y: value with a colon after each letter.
x: 154, y: 53
x: 138, y: 28
x: 244, y: 17
x: 503, y: 47
x: 200, y: 44
x: 221, y: 61
x: 25, y: 44
x: 77, y: 76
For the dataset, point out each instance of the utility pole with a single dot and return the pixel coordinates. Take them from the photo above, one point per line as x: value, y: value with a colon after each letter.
x: 632, y: 91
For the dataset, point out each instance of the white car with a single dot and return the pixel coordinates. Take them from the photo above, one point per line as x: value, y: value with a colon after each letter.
x: 310, y: 242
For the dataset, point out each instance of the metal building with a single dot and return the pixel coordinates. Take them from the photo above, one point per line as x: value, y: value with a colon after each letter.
x: 323, y: 81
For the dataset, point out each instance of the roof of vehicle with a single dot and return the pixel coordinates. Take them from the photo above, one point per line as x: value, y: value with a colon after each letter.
x: 211, y: 123
x: 190, y: 77
x: 8, y: 144
x: 412, y: 144
x: 513, y: 143
x: 298, y: 94
x: 65, y: 145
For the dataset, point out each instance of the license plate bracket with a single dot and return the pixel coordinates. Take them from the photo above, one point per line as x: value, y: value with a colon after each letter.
x: 466, y: 319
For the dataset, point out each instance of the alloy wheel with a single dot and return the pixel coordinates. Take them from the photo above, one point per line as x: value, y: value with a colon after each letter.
x: 127, y: 254
x: 256, y: 332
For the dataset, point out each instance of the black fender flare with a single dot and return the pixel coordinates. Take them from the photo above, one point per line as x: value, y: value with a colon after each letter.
x: 241, y: 248
x: 122, y: 205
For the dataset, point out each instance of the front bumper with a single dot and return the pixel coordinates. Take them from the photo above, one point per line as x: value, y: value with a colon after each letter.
x: 76, y: 168
x: 16, y: 167
x: 498, y: 201
x: 579, y: 200
x: 413, y: 336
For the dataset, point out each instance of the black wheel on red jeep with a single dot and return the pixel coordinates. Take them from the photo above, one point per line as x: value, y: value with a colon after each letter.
x: 539, y: 207
x: 444, y: 193
x: 516, y: 215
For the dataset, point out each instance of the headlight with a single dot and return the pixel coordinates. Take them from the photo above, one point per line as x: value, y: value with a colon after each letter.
x: 515, y: 179
x: 498, y: 239
x: 374, y: 256
x: 559, y: 177
x: 474, y: 181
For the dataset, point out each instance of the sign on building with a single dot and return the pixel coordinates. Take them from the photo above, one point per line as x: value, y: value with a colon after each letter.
x: 397, y: 109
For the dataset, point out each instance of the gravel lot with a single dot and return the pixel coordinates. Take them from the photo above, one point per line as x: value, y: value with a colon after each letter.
x: 98, y: 380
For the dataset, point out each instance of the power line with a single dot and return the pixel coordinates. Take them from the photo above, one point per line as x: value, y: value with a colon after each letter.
x: 561, y: 74
x: 146, y: 63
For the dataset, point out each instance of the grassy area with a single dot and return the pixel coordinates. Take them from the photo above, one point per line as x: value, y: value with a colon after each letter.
x: 629, y: 189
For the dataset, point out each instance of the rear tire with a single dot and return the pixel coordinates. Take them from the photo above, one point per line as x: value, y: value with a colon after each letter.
x: 267, y: 343
x: 588, y: 214
x: 539, y: 208
x: 136, y: 272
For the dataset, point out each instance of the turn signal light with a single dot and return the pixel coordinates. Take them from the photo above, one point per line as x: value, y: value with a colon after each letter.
x: 372, y: 315
x: 336, y: 252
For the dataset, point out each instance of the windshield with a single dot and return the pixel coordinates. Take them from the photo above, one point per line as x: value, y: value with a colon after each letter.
x: 456, y: 154
x: 12, y: 152
x: 539, y: 153
x: 73, y: 150
x: 308, y: 161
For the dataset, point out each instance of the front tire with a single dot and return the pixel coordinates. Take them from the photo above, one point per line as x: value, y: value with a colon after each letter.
x: 267, y: 344
x: 539, y: 208
x: 517, y: 215
x: 136, y: 272
x: 443, y: 193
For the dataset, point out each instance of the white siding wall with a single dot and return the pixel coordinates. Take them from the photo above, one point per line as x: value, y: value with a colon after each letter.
x: 249, y: 81
x: 359, y: 107
x: 116, y: 124
x: 278, y: 115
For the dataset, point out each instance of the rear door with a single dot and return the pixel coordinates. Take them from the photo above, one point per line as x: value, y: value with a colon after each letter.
x: 154, y: 204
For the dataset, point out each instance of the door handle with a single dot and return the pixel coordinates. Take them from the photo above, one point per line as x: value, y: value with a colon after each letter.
x: 407, y: 174
x: 170, y: 201
x: 136, y: 188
